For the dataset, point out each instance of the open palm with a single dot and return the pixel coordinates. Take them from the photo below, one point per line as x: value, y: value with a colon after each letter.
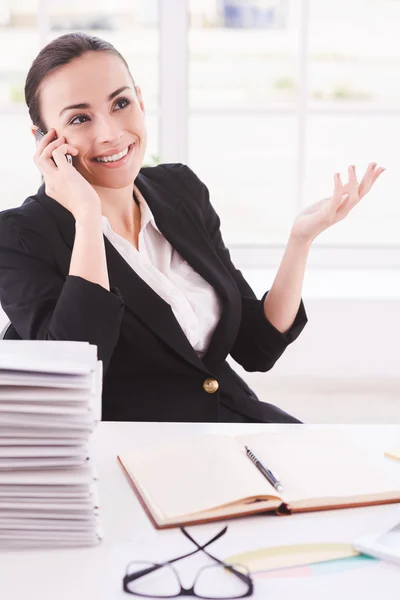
x: 317, y: 217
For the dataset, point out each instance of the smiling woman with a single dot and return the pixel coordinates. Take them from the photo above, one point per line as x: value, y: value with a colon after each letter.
x: 83, y: 89
x: 131, y: 258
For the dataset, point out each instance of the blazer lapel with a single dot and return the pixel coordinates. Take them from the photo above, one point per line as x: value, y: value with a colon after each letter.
x: 181, y: 228
x: 147, y: 305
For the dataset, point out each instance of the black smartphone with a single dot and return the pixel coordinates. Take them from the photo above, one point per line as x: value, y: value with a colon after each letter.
x: 39, y: 135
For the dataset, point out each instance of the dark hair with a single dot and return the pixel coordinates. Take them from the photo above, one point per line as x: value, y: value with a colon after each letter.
x: 57, y: 53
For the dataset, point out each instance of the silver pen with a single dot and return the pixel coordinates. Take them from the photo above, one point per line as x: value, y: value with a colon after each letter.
x: 268, y: 474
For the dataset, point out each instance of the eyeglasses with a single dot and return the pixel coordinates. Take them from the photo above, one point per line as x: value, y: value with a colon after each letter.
x: 219, y: 581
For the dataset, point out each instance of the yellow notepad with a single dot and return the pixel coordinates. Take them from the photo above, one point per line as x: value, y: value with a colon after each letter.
x: 393, y: 452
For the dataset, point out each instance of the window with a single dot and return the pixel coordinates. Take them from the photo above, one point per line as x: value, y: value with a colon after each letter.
x: 264, y: 99
x: 283, y: 93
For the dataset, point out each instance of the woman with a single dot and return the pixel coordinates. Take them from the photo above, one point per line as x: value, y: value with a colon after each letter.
x: 132, y: 259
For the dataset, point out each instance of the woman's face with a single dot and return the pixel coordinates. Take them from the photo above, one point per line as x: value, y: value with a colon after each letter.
x: 104, y: 125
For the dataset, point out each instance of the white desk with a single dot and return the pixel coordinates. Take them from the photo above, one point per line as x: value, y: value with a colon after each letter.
x: 96, y: 573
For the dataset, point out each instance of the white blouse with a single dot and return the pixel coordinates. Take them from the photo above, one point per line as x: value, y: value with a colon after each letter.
x: 196, y: 306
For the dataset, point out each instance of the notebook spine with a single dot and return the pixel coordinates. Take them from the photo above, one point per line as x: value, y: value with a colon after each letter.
x: 284, y: 510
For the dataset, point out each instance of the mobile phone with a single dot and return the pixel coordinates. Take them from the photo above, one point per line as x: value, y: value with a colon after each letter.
x: 39, y: 135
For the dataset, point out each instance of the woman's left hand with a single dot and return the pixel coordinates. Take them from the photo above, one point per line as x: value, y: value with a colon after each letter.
x: 317, y: 217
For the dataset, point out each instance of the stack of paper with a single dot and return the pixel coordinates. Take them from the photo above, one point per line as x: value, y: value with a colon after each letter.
x: 50, y: 402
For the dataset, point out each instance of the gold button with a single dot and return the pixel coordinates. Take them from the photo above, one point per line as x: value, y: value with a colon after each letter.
x: 210, y: 386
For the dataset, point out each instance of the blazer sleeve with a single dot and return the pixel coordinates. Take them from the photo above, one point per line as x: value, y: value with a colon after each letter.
x: 43, y: 305
x: 258, y: 344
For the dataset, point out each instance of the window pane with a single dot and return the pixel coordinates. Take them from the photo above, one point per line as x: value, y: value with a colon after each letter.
x: 19, y: 175
x: 354, y: 52
x: 248, y: 164
x: 333, y: 144
x: 19, y: 43
x: 242, y: 53
x: 130, y: 25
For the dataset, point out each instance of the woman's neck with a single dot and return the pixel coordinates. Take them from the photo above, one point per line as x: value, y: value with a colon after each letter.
x: 120, y: 208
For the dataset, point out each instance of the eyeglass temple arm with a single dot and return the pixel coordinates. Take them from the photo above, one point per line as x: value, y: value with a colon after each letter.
x: 196, y: 544
x: 215, y: 538
x: 143, y: 572
x: 242, y: 576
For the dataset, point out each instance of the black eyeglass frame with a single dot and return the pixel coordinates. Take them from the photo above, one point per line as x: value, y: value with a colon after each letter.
x: 128, y: 578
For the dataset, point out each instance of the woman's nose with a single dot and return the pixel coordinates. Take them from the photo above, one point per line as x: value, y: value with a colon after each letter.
x: 108, y: 131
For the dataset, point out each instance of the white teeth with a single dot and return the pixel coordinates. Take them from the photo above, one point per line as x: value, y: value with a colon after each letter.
x: 114, y: 157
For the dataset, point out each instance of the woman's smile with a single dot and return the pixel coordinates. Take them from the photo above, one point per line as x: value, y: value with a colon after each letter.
x: 117, y: 160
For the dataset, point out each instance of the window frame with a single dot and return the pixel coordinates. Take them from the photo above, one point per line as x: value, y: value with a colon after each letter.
x: 173, y: 118
x: 174, y: 54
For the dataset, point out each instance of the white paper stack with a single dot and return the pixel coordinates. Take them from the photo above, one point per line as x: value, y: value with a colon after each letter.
x: 50, y: 402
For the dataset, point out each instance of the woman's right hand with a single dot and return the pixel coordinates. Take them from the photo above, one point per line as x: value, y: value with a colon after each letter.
x: 63, y: 182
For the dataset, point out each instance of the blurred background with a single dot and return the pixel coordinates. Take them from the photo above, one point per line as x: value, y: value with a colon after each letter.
x: 264, y: 100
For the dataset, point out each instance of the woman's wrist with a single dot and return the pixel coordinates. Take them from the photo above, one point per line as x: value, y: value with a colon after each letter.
x: 300, y: 243
x: 88, y: 216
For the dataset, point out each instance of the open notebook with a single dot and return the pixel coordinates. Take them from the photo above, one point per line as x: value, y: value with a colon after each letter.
x: 209, y: 478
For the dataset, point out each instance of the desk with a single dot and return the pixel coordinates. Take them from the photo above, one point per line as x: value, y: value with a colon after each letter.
x: 96, y: 573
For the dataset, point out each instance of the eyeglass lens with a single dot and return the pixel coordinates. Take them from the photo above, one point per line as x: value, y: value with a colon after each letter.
x: 212, y: 582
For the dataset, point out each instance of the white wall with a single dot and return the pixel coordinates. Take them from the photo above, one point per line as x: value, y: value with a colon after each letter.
x: 346, y: 338
x: 343, y: 338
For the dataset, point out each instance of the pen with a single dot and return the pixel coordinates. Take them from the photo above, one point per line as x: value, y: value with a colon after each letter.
x: 273, y: 479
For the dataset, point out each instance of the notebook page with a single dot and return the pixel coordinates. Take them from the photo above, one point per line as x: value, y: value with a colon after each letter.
x: 28, y: 387
x: 54, y: 380
x: 32, y: 420
x: 39, y: 463
x: 45, y: 356
x: 42, y: 394
x: 75, y: 490
x: 46, y: 409
x: 89, y: 516
x: 81, y: 476
x: 193, y: 475
x: 319, y: 464
x: 42, y: 434
x: 55, y: 525
x: 38, y: 441
x: 29, y: 451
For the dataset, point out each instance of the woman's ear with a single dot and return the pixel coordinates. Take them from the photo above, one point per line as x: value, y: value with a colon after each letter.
x: 139, y: 97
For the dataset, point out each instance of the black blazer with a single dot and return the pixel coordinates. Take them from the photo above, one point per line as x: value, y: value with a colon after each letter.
x: 151, y: 371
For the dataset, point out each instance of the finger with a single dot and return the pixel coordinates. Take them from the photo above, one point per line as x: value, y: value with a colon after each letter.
x: 46, y: 167
x: 48, y: 151
x: 376, y: 174
x: 59, y: 155
x: 44, y: 160
x: 41, y: 145
x: 46, y: 138
x: 345, y: 188
x: 337, y: 190
x: 368, y: 179
x: 353, y: 196
x: 353, y: 183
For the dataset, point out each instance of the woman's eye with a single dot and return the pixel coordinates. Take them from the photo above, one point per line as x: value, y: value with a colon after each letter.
x: 79, y: 119
x: 75, y: 121
x: 124, y: 101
